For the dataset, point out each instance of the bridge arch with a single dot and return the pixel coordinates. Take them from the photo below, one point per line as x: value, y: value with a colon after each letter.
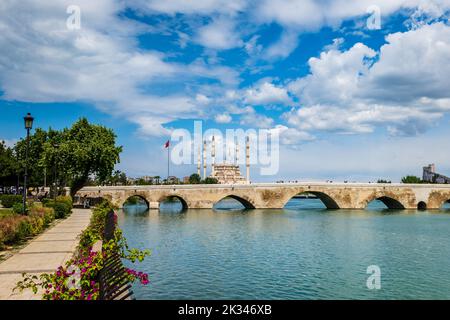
x: 422, y: 206
x: 389, y: 201
x: 174, y: 197
x: 326, y: 199
x: 245, y: 202
x: 439, y: 199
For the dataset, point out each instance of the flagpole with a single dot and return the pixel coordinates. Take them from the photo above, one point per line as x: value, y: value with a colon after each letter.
x: 168, y: 162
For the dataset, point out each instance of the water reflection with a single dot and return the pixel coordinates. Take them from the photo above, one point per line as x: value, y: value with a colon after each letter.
x: 300, y: 252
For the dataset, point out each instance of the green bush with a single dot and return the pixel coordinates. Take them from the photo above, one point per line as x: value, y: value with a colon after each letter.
x: 96, y: 226
x: 24, y: 230
x: 8, y: 200
x: 61, y: 209
x: 62, y: 206
x: 46, y: 201
x: 16, y: 228
x: 65, y: 199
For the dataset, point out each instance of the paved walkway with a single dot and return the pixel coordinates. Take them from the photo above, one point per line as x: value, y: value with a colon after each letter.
x: 43, y: 254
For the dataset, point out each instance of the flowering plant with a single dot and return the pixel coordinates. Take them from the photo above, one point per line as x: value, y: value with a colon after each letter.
x: 78, y: 279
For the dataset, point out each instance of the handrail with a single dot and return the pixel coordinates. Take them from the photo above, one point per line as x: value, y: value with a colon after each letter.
x: 113, y: 278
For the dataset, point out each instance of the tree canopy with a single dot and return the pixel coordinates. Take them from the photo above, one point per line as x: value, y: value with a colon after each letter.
x: 76, y: 154
x: 195, y: 178
x: 411, y: 179
x: 8, y: 165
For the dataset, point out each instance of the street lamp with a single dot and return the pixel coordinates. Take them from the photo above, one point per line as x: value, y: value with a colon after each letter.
x: 28, y: 119
x: 55, y: 188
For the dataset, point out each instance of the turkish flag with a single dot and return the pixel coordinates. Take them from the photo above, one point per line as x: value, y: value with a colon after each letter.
x: 167, y: 144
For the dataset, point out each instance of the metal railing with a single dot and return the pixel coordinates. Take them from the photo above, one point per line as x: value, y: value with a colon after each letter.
x: 113, y: 278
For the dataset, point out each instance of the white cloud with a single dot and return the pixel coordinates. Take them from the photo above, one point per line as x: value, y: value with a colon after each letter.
x: 219, y: 34
x: 406, y: 90
x: 267, y: 93
x: 312, y: 15
x: 284, y: 46
x: 42, y: 61
x: 223, y: 118
x: 256, y: 120
x: 374, y: 157
x: 292, y: 136
x: 204, y: 7
x: 202, y: 99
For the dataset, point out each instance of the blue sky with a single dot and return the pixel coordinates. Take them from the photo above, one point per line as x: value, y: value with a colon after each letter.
x: 351, y: 102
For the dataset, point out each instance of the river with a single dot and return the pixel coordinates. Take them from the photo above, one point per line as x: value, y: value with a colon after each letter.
x: 301, y: 252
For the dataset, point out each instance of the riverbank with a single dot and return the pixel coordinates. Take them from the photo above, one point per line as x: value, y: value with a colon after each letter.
x: 45, y: 253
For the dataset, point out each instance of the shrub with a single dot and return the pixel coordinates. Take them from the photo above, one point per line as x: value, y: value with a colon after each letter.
x: 61, y: 210
x: 65, y: 199
x: 8, y: 200
x: 46, y: 201
x: 16, y: 228
x: 57, y: 285
x: 18, y: 208
x: 62, y: 206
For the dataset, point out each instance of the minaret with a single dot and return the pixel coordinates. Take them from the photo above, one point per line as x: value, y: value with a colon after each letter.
x: 204, y: 159
x: 213, y: 156
x: 198, y: 161
x: 247, y: 158
x: 237, y: 154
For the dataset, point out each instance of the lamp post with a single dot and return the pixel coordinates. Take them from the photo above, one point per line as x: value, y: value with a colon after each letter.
x: 55, y: 187
x: 28, y: 119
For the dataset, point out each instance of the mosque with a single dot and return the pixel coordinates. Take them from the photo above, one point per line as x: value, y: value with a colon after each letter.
x: 229, y: 171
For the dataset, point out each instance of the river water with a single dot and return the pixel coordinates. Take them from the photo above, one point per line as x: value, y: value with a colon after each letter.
x: 300, y: 252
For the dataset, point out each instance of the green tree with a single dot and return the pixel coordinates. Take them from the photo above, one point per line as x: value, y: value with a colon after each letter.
x: 210, y: 180
x: 8, y: 165
x: 117, y: 178
x: 383, y: 181
x: 195, y: 178
x: 411, y: 179
x: 36, y: 169
x: 82, y: 151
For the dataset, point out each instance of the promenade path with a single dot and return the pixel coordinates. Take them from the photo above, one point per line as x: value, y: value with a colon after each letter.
x: 43, y: 254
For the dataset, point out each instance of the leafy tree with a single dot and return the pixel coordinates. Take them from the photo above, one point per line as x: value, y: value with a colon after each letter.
x: 411, y: 179
x: 82, y: 151
x: 195, y: 178
x: 210, y: 180
x: 36, y: 169
x: 383, y: 181
x: 118, y: 177
x: 8, y: 165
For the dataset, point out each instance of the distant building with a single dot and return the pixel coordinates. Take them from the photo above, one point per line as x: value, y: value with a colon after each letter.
x: 228, y: 174
x: 430, y: 175
x: 131, y: 181
x: 173, y: 180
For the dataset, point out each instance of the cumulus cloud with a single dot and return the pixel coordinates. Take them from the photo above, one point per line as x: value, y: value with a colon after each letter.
x: 403, y: 88
x: 255, y: 120
x: 267, y: 93
x: 41, y: 60
x: 292, y: 136
x: 223, y: 118
x: 219, y: 34
x: 204, y: 7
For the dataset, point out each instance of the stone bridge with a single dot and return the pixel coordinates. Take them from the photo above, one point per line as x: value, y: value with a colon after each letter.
x: 276, y: 195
